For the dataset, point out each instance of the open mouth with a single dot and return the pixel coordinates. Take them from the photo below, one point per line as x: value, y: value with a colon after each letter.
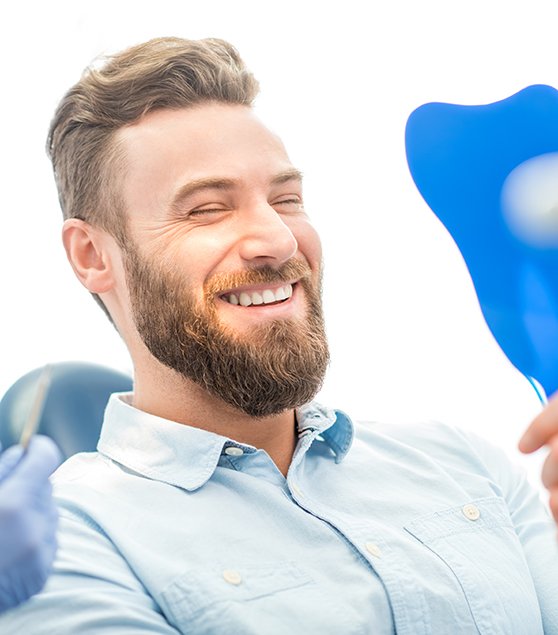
x: 271, y: 295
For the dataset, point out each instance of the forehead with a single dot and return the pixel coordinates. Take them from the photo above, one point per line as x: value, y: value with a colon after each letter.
x: 168, y: 147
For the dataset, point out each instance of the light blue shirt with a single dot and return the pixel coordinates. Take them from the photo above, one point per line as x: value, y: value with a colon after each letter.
x: 413, y: 529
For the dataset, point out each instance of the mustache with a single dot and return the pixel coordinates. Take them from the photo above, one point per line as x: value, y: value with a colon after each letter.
x: 293, y: 269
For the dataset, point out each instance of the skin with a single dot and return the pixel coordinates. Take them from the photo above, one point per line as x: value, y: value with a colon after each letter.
x: 544, y: 431
x: 255, y: 217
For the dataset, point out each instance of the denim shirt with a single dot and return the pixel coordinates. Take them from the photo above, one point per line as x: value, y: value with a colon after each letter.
x: 409, y: 529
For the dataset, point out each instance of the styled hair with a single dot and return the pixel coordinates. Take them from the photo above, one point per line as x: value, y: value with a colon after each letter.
x: 161, y: 73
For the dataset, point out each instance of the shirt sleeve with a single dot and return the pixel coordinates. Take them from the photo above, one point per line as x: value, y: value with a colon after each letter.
x: 533, y: 524
x: 91, y: 591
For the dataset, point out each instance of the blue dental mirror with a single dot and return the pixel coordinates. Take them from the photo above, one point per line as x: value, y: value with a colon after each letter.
x: 490, y: 174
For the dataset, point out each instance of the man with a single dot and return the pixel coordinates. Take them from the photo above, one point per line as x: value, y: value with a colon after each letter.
x: 28, y: 520
x: 221, y: 499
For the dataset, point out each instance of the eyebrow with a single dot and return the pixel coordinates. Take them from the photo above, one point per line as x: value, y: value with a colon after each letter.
x: 216, y: 183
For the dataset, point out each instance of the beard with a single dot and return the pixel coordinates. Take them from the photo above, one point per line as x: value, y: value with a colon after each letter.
x: 274, y: 367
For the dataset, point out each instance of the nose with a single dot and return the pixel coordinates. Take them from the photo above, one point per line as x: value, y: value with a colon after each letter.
x: 266, y: 237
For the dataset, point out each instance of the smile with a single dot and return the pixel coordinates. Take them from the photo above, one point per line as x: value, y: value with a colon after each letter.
x: 263, y: 296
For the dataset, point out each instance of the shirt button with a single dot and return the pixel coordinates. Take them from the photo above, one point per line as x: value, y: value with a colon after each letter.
x: 373, y: 549
x: 297, y: 490
x: 232, y: 577
x: 234, y: 451
x: 471, y: 512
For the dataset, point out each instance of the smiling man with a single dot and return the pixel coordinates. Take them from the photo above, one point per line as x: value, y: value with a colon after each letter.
x: 222, y: 498
x: 215, y: 284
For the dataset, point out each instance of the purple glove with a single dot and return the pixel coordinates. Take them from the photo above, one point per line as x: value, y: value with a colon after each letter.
x: 28, y: 520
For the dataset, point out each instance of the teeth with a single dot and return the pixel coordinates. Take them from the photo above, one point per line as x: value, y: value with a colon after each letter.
x: 267, y: 296
x: 245, y: 299
x: 280, y: 294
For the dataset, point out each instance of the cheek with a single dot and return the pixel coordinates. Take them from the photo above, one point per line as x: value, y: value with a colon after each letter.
x: 195, y: 253
x: 309, y: 243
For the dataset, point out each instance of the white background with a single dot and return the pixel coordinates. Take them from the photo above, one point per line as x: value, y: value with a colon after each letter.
x: 338, y: 80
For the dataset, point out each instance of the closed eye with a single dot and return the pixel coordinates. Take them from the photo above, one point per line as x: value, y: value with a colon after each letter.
x: 206, y: 210
x: 290, y: 205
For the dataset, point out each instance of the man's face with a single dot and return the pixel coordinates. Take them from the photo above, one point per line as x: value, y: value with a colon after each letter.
x: 222, y: 265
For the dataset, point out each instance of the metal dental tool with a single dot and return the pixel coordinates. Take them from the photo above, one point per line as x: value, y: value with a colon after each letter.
x: 41, y: 392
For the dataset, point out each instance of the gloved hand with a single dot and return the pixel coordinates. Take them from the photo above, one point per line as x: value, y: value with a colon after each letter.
x: 28, y: 520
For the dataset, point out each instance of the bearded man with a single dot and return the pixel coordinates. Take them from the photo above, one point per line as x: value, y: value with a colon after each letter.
x: 221, y: 498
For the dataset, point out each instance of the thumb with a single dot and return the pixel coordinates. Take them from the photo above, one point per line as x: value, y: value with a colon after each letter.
x: 39, y: 461
x: 9, y: 459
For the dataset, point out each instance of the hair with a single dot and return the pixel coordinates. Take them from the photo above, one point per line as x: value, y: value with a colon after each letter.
x: 161, y: 73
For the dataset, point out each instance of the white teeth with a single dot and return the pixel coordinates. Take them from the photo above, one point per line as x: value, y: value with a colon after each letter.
x: 245, y: 299
x: 280, y: 294
x: 267, y: 296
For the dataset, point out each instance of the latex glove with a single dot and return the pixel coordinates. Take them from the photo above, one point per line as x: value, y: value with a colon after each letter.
x: 28, y: 520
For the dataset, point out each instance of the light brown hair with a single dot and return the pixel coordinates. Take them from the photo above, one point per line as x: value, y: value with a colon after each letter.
x: 161, y: 73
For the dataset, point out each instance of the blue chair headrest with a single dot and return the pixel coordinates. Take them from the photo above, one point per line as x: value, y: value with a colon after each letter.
x: 74, y: 406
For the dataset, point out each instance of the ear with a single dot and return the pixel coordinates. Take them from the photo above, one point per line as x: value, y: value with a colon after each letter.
x: 88, y: 250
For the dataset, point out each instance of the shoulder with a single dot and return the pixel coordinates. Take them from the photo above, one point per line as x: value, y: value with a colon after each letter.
x: 77, y: 466
x: 446, y: 444
x: 89, y: 487
x: 419, y: 434
x: 88, y: 471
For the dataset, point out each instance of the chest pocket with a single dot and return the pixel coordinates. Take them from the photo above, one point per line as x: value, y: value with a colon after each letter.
x: 272, y: 598
x: 478, y: 543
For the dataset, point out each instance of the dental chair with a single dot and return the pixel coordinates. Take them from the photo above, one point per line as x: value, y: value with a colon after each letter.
x: 73, y: 409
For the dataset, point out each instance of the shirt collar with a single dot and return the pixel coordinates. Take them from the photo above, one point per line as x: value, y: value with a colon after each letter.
x: 334, y: 426
x: 186, y: 456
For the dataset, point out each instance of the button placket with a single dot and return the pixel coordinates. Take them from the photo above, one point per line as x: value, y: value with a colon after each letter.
x: 373, y: 549
x: 296, y: 489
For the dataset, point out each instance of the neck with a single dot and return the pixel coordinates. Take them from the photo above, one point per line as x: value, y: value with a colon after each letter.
x: 163, y: 392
